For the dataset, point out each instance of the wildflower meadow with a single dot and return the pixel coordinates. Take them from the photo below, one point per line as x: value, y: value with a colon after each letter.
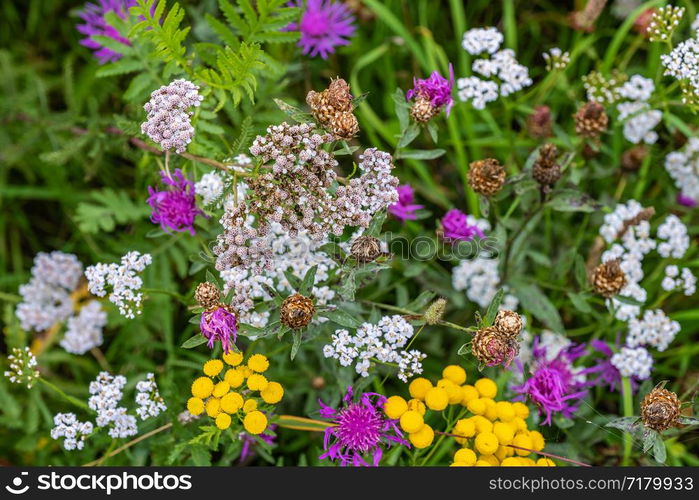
x: 349, y: 233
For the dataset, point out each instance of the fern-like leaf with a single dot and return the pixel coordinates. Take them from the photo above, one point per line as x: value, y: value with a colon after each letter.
x: 109, y: 208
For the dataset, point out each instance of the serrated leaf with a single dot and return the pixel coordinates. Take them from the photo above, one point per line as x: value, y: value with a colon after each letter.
x: 109, y: 209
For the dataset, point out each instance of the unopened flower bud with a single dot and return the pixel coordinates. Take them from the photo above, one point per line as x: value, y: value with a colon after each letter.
x: 297, y: 311
x: 491, y: 347
x: 366, y: 248
x: 660, y: 409
x: 434, y: 313
x: 207, y: 295
x: 508, y: 322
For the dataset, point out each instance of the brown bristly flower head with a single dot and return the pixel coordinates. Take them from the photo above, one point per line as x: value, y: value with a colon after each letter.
x: 508, y: 322
x: 434, y: 313
x: 632, y: 159
x: 365, y: 248
x: 660, y: 409
x: 344, y: 125
x: 486, y: 177
x: 207, y: 295
x: 297, y: 311
x: 539, y: 123
x: 591, y: 120
x: 332, y: 108
x: 546, y: 171
x: 608, y: 278
x: 492, y: 347
x: 422, y: 110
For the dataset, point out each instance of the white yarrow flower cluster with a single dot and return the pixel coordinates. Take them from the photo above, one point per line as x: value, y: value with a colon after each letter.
x: 74, y: 431
x: 22, y: 367
x: 676, y: 239
x: 633, y: 362
x: 683, y: 167
x: 674, y: 279
x: 46, y: 297
x: 123, y: 280
x: 168, y: 122
x: 383, y: 342
x: 682, y: 63
x: 654, y: 329
x: 150, y: 402
x: 106, y: 393
x: 556, y: 59
x: 480, y: 280
x: 504, y: 75
x: 664, y: 22
x: 85, y: 330
x: 638, y: 117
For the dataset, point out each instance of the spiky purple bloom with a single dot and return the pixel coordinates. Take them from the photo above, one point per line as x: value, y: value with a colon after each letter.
x: 686, y: 201
x: 404, y: 209
x: 219, y: 324
x: 324, y: 25
x: 555, y: 386
x: 95, y: 24
x: 459, y: 226
x: 607, y: 373
x: 436, y: 88
x: 250, y: 441
x: 175, y: 207
x: 360, y: 429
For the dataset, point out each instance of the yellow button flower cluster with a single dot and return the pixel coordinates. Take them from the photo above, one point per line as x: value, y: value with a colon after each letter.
x: 485, y: 436
x: 238, y: 391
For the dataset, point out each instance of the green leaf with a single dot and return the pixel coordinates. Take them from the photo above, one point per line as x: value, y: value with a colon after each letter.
x: 689, y: 420
x: 195, y: 341
x: 293, y: 112
x: 579, y: 301
x: 421, y: 154
x: 433, y: 130
x: 349, y: 285
x: 212, y: 279
x: 493, y: 308
x: 120, y: 67
x: 294, y: 280
x: 572, y: 200
x: 580, y: 271
x: 626, y: 424
x: 534, y: 301
x: 342, y: 318
x: 374, y: 228
x: 659, y: 451
x: 109, y: 209
x: 298, y: 336
x: 464, y: 350
x: 402, y: 108
x: 628, y: 300
x: 408, y: 135
x: 308, y: 281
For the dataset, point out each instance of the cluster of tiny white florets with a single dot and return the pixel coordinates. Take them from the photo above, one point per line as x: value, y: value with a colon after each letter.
x: 480, y: 279
x: 46, y: 297
x: 84, y: 331
x: 683, y: 167
x: 638, y: 117
x: 501, y: 64
x: 106, y: 393
x: 556, y: 59
x: 74, y: 431
x: 168, y: 122
x: 633, y: 362
x: 123, y: 280
x: 150, y: 402
x: 22, y: 367
x: 654, y: 329
x: 295, y: 255
x: 383, y: 342
x: 664, y: 22
x: 675, y: 236
x: 682, y: 63
x: 674, y: 279
x: 603, y: 89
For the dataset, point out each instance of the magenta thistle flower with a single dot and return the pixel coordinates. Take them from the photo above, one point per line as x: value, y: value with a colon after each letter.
x: 95, y: 24
x: 686, y: 200
x: 359, y: 430
x: 607, y: 373
x: 324, y: 25
x: 436, y: 88
x: 219, y: 324
x: 456, y: 225
x: 555, y: 386
x: 404, y: 209
x: 175, y: 207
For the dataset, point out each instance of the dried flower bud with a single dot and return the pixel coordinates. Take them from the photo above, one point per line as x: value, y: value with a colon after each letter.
x: 486, y: 177
x: 509, y: 323
x: 491, y: 347
x: 608, y: 279
x: 332, y: 108
x: 207, y: 295
x: 434, y: 313
x: 632, y: 159
x: 545, y: 170
x: 317, y: 382
x: 539, y: 123
x: 344, y: 125
x: 339, y: 95
x: 660, y: 409
x: 366, y: 248
x: 422, y: 110
x: 297, y: 311
x: 591, y: 120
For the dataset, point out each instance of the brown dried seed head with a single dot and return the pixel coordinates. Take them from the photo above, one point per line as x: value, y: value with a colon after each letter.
x: 660, y: 409
x: 486, y: 177
x: 539, y: 123
x: 366, y: 248
x: 608, y: 278
x: 492, y: 347
x: 297, y: 311
x: 591, y: 120
x: 207, y: 295
x: 344, y: 125
x: 509, y: 323
x: 422, y: 110
x: 546, y: 171
x: 338, y: 95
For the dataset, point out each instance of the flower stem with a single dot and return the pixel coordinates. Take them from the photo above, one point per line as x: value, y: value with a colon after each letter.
x: 65, y: 396
x: 627, y: 402
x: 128, y: 445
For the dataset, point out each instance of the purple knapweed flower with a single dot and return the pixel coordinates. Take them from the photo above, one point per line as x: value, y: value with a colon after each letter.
x: 456, y: 225
x: 359, y: 430
x: 607, y: 373
x: 95, y: 24
x: 175, y: 207
x: 324, y: 25
x: 219, y: 324
x: 686, y: 200
x: 404, y: 209
x: 436, y: 89
x: 555, y: 386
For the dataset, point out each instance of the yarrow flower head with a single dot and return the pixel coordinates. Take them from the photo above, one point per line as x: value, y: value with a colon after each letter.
x: 664, y: 22
x: 456, y: 226
x: 150, y: 402
x: 324, y: 25
x: 95, y: 23
x: 682, y: 63
x: 219, y: 324
x: 106, y: 394
x: 175, y: 207
x: 633, y: 362
x: 436, y: 90
x: 85, y: 330
x: 556, y: 59
x: 168, y: 121
x: 360, y: 430
x: 74, y: 431
x: 404, y: 209
x: 22, y: 364
x: 683, y: 167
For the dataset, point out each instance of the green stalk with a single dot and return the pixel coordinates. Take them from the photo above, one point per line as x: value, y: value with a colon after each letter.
x: 627, y: 403
x: 65, y: 396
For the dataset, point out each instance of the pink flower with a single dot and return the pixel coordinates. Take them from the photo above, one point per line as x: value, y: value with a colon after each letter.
x: 436, y: 88
x: 95, y: 24
x: 459, y: 226
x: 219, y: 324
x: 324, y: 25
x: 404, y: 209
x: 175, y: 207
x: 686, y: 201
